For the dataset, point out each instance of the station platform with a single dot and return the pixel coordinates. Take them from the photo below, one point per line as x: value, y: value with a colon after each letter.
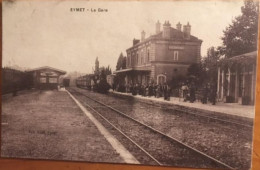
x: 51, y: 125
x: 233, y: 109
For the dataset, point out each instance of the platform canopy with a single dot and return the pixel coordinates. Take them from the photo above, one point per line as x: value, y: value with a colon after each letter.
x: 243, y: 59
x: 46, y: 69
x: 133, y: 69
x: 45, y: 77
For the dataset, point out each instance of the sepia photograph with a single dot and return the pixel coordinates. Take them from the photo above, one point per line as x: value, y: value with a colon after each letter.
x: 156, y: 83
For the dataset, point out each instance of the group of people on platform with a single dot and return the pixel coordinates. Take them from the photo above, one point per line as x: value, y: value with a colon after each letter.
x: 156, y: 90
x: 189, y: 91
x: 209, y: 93
x: 205, y: 94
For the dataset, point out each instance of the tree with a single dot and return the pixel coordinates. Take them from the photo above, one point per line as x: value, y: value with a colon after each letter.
x: 196, y: 74
x: 209, y: 63
x: 103, y: 86
x: 108, y: 71
x: 241, y: 36
x: 177, y: 81
x: 121, y: 62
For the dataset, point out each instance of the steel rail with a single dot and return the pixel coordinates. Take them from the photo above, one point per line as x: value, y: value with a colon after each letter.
x: 161, y: 133
x: 205, y: 116
x: 125, y: 135
x: 217, y: 119
x: 141, y: 148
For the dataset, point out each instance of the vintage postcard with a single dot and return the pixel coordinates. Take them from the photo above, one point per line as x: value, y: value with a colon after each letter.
x: 168, y: 83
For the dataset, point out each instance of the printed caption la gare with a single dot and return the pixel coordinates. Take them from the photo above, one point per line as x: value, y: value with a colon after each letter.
x: 88, y: 10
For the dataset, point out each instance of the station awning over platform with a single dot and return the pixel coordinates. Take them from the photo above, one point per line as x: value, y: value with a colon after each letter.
x: 47, y: 68
x: 45, y: 77
x: 243, y: 59
x: 132, y: 70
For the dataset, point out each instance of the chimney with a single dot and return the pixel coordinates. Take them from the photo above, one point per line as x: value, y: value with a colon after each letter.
x: 158, y: 27
x: 135, y: 41
x: 167, y: 30
x: 142, y: 36
x: 178, y: 26
x: 186, y: 31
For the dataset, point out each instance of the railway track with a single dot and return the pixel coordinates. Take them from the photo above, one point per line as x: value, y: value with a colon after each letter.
x: 159, y: 147
x: 246, y: 125
x: 226, y: 122
x: 212, y: 118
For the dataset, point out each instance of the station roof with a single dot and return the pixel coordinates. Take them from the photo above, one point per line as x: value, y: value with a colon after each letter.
x: 244, y: 59
x: 246, y: 56
x: 47, y: 68
x: 132, y: 69
x: 175, y: 35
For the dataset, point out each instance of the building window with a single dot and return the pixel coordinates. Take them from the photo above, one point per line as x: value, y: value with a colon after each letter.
x: 53, y: 80
x: 136, y: 58
x: 133, y: 59
x: 142, y: 57
x: 43, y: 80
x: 148, y: 55
x: 161, y: 79
x: 127, y: 61
x: 176, y: 55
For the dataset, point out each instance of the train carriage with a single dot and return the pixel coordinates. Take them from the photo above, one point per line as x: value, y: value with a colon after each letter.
x: 66, y: 82
x: 85, y: 81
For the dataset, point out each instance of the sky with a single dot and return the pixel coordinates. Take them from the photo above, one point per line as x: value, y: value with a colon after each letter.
x: 49, y: 33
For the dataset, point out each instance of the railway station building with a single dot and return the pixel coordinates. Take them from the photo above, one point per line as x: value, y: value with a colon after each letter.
x: 45, y: 77
x: 162, y: 56
x: 237, y: 79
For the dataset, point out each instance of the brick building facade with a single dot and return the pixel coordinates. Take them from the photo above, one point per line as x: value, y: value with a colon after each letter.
x: 162, y: 56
